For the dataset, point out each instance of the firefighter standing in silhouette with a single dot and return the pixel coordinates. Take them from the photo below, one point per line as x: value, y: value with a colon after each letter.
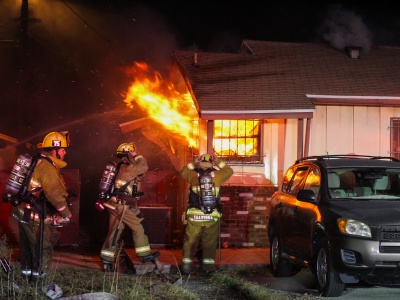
x: 203, y: 213
x: 47, y: 185
x: 123, y: 208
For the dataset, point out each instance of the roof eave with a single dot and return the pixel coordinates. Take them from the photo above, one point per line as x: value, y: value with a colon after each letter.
x: 256, y: 114
x: 354, y: 100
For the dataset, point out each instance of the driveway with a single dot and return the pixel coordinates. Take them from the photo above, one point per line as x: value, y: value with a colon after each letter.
x: 303, y: 283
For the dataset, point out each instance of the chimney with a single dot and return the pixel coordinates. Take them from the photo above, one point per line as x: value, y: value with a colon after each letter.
x: 353, y: 52
x: 195, y: 58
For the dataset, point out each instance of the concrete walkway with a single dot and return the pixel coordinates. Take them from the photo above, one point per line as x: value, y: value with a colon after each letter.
x: 300, y: 283
x: 230, y: 258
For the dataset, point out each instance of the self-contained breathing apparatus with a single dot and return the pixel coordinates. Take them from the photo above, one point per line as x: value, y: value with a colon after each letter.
x: 18, y: 184
x: 107, y: 190
x: 18, y: 181
x: 206, y: 198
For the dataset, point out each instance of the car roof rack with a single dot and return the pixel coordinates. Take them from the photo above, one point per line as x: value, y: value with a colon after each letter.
x: 346, y: 156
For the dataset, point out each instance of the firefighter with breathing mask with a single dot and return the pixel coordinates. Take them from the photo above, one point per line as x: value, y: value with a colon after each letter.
x: 47, y: 204
x: 203, y: 214
x: 122, y: 204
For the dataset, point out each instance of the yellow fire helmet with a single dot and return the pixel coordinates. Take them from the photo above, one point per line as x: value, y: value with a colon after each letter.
x: 206, y: 158
x: 55, y: 139
x: 125, y: 148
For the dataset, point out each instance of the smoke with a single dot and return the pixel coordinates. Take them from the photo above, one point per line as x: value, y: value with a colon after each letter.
x: 343, y: 28
x: 76, y: 54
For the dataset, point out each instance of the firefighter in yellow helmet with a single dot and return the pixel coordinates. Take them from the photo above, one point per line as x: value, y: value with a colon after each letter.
x: 205, y: 177
x: 123, y: 208
x: 47, y: 190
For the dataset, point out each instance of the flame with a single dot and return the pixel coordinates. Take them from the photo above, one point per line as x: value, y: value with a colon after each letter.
x: 163, y: 102
x: 174, y: 110
x: 236, y: 137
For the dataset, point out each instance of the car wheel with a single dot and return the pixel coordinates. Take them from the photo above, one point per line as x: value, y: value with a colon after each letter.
x: 327, y: 278
x: 280, y: 267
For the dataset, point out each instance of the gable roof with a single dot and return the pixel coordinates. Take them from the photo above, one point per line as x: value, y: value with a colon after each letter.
x: 286, y: 80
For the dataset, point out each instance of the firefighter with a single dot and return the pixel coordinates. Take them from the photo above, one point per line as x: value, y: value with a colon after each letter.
x: 203, y: 214
x: 47, y: 207
x: 124, y: 211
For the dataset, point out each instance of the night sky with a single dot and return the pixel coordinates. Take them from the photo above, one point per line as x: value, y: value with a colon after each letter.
x: 73, y: 68
x: 222, y: 25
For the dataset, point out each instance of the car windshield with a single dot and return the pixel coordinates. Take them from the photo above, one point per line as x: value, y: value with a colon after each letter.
x: 364, y: 183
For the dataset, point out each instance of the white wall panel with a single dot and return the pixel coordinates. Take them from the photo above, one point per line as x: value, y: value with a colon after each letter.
x: 348, y: 129
x: 290, y: 140
x: 373, y: 131
x: 386, y: 114
x: 270, y: 150
x: 271, y: 161
x: 345, y: 128
x: 318, y: 132
x: 332, y: 132
x: 367, y: 130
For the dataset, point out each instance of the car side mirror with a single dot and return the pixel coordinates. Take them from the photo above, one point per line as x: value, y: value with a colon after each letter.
x: 306, y: 195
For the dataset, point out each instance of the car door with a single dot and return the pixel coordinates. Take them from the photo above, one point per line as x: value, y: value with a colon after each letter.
x: 289, y: 207
x: 305, y: 215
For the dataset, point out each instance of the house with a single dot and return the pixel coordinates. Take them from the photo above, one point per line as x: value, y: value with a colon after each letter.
x: 294, y: 100
x: 309, y: 98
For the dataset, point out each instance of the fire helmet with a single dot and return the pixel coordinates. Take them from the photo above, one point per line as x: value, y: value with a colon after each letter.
x: 206, y: 158
x: 125, y: 148
x: 55, y: 140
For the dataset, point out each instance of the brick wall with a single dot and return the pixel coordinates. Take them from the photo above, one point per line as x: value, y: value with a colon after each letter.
x: 245, y: 216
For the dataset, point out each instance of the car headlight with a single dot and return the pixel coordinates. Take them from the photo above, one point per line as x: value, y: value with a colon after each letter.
x: 353, y: 227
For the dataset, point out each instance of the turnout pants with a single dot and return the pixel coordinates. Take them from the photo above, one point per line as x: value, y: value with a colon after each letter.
x: 119, y: 218
x: 206, y: 232
x: 29, y: 239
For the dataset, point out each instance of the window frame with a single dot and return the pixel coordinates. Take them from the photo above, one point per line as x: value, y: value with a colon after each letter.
x: 242, y: 159
x: 395, y: 137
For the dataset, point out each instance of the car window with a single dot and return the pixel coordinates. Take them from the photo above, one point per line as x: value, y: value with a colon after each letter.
x: 364, y: 183
x: 297, y: 179
x: 287, y: 178
x: 313, y: 181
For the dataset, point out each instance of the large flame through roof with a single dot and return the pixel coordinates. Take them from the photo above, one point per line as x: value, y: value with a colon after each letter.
x: 161, y: 100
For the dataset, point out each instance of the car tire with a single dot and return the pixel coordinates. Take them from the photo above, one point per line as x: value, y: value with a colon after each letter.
x: 326, y: 277
x: 279, y: 267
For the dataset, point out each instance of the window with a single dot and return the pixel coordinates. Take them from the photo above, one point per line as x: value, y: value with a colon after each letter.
x: 395, y: 137
x: 238, y: 140
x: 313, y: 181
x: 286, y: 179
x: 297, y: 180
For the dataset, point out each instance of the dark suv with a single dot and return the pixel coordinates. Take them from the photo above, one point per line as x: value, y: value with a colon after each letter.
x: 338, y: 215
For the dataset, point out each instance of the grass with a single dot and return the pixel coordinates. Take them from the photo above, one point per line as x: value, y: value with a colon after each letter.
x: 223, y: 284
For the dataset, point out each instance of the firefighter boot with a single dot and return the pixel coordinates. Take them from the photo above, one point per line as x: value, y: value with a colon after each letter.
x: 150, y: 257
x: 108, y: 267
x: 185, y: 270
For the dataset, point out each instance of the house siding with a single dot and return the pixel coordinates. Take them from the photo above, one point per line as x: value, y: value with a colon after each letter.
x: 361, y: 130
